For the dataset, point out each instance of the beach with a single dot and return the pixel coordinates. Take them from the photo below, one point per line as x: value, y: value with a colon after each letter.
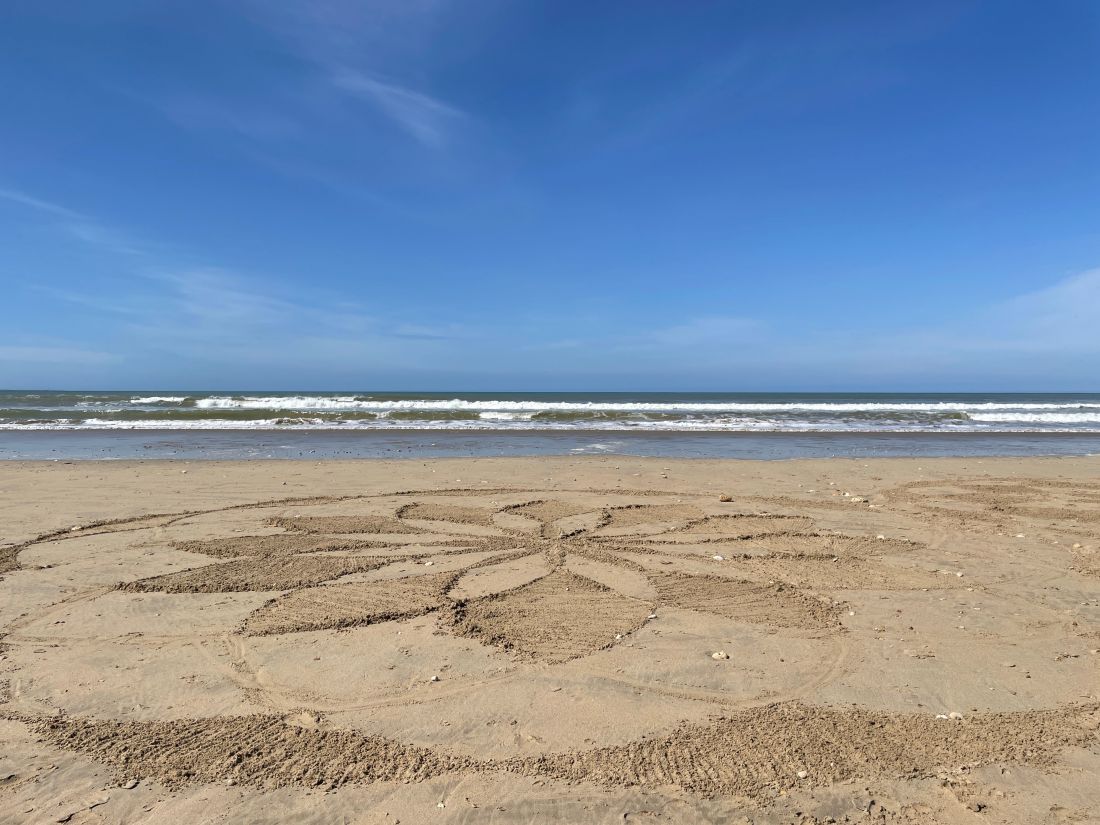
x: 562, y: 639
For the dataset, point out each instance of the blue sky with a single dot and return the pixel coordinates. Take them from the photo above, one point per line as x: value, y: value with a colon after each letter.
x: 510, y: 195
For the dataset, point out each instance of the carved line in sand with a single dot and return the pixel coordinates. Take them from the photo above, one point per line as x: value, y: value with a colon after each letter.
x: 344, y: 524
x: 1086, y: 560
x: 348, y: 605
x: 998, y: 500
x: 448, y: 513
x: 277, y: 544
x: 1071, y: 508
x: 740, y: 525
x: 358, y: 604
x: 746, y: 601
x: 756, y: 753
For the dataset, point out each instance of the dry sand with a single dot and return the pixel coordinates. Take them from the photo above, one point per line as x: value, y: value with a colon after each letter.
x: 553, y: 640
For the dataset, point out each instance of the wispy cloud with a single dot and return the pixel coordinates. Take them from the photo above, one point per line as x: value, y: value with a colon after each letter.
x: 75, y: 224
x: 248, y: 119
x: 343, y: 31
x: 425, y: 118
x: 339, y: 50
x: 23, y: 199
x: 213, y: 314
x: 1063, y: 317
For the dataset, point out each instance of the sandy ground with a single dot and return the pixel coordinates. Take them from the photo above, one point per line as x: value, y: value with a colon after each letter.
x: 550, y: 640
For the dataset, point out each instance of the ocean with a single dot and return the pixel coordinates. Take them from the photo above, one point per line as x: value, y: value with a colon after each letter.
x: 173, y: 423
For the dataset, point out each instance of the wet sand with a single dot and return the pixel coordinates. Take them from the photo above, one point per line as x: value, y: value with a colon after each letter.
x: 559, y: 640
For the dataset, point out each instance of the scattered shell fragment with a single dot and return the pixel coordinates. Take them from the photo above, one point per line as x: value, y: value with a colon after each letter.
x: 725, y: 497
x: 719, y: 654
x: 802, y: 774
x: 719, y: 558
x: 954, y: 715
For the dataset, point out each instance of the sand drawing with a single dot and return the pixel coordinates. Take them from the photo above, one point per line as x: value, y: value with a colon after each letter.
x: 525, y: 584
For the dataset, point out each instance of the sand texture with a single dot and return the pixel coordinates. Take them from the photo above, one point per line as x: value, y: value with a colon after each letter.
x: 570, y: 640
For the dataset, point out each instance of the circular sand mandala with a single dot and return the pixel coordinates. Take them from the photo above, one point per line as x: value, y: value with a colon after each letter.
x: 302, y: 642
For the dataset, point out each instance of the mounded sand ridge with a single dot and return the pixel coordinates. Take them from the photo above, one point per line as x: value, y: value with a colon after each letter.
x: 350, y: 604
x: 555, y: 618
x: 275, y: 573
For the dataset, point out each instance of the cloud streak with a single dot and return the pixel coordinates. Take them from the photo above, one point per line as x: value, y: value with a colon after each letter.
x: 214, y: 314
x: 75, y: 224
x: 428, y: 120
x: 23, y: 199
x: 341, y: 51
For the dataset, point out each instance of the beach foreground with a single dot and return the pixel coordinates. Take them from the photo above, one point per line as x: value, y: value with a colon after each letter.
x: 559, y: 640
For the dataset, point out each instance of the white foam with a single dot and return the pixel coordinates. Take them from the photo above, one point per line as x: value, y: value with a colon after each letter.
x: 1038, y: 418
x: 727, y: 424
x: 492, y: 415
x: 349, y: 403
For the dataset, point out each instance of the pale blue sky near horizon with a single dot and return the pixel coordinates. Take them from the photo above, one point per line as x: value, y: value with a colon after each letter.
x: 480, y: 195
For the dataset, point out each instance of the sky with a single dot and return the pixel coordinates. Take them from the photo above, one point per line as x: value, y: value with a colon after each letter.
x: 480, y: 195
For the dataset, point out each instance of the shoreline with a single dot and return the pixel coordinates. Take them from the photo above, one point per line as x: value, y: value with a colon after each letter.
x: 114, y: 445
